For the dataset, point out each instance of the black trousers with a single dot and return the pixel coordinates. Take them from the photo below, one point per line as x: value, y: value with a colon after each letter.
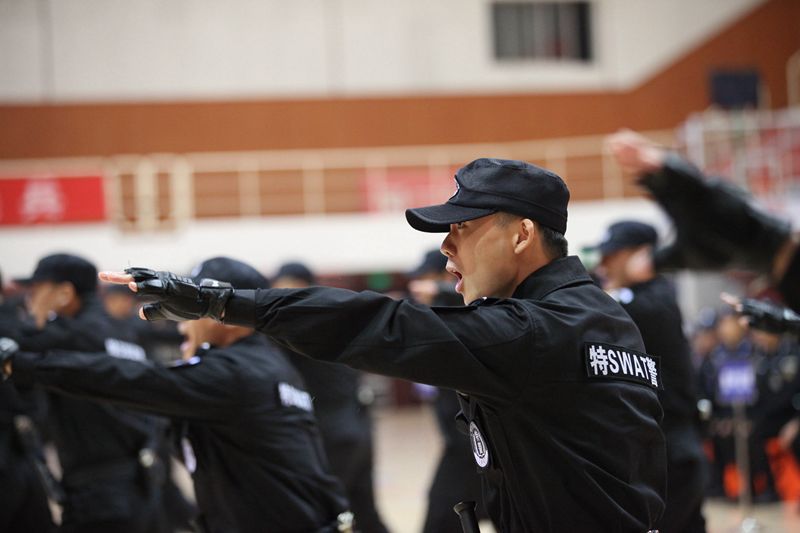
x: 23, y: 505
x: 351, y: 461
x: 111, y: 505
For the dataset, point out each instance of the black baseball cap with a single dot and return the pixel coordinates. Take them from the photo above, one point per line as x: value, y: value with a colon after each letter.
x: 626, y: 234
x: 238, y: 274
x: 296, y: 270
x: 433, y: 262
x: 487, y: 186
x: 60, y: 268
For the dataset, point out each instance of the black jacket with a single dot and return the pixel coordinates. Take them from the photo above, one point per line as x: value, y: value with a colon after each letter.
x: 654, y: 308
x: 86, y: 434
x: 565, y: 446
x: 259, y: 463
x: 98, y: 445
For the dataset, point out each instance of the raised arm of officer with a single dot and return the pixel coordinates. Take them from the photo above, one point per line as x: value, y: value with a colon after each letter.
x: 717, y: 226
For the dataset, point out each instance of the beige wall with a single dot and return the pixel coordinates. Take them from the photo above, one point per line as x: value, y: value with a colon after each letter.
x: 764, y: 39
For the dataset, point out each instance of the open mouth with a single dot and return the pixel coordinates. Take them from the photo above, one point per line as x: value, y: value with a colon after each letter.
x: 460, y: 283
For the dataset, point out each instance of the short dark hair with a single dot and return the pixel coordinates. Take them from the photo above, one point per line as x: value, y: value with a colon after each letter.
x: 554, y: 243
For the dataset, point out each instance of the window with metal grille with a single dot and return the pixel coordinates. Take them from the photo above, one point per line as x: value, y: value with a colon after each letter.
x: 542, y: 30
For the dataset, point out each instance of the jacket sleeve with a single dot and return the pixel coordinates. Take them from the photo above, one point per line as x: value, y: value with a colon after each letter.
x: 203, y: 391
x: 474, y: 349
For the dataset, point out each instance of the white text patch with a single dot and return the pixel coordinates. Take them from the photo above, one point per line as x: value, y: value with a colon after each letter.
x: 606, y: 361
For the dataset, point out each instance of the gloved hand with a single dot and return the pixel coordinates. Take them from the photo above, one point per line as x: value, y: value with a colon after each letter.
x: 768, y: 317
x: 716, y: 224
x: 8, y: 347
x: 179, y: 298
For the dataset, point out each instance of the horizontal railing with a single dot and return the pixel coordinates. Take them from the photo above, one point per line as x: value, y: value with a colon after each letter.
x: 152, y: 191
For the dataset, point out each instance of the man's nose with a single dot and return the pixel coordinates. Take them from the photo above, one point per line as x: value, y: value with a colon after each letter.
x: 447, y: 247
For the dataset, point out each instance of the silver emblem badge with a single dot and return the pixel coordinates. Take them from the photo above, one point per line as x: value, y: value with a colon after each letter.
x: 479, y: 448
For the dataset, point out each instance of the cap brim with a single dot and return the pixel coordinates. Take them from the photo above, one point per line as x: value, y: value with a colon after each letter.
x: 609, y: 247
x: 437, y: 218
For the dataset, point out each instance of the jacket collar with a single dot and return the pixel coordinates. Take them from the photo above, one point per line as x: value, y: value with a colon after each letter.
x: 553, y: 276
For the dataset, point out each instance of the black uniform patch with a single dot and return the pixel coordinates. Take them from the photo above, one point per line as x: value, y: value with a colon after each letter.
x: 606, y: 361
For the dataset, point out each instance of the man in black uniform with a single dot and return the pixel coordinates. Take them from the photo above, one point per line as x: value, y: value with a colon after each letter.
x: 344, y: 420
x: 98, y: 445
x: 652, y: 304
x: 248, y: 431
x: 557, y: 394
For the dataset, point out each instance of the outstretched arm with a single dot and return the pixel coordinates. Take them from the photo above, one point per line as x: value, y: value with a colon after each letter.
x: 206, y: 390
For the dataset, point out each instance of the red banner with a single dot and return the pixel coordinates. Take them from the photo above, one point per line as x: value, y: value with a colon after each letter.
x: 396, y: 188
x: 52, y: 199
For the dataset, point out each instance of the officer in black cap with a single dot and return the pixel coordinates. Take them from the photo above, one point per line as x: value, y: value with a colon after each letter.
x: 343, y: 416
x: 455, y: 478
x: 246, y: 422
x: 654, y: 307
x: 98, y: 445
x: 24, y: 507
x: 557, y: 393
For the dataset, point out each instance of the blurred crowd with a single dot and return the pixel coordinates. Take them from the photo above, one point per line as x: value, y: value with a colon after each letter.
x: 769, y: 394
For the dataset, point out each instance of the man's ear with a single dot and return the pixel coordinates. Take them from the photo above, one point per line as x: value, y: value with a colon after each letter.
x: 525, y: 235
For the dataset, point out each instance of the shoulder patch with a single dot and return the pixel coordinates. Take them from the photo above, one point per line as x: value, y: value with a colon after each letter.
x: 124, y: 350
x: 610, y: 362
x: 290, y: 396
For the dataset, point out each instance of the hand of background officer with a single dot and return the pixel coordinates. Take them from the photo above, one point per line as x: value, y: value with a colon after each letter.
x: 8, y: 347
x: 716, y: 224
x: 174, y: 297
x: 635, y: 153
x: 763, y: 315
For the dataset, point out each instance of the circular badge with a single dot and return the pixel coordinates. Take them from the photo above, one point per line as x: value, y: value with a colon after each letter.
x: 479, y: 448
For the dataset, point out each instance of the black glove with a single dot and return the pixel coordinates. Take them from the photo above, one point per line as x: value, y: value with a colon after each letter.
x: 178, y: 298
x: 8, y: 347
x: 716, y: 224
x: 769, y: 317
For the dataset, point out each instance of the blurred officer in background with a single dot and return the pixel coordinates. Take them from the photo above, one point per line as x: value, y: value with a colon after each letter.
x: 455, y: 478
x: 716, y: 224
x: 23, y: 505
x: 106, y: 486
x: 703, y: 341
x: 653, y: 306
x: 342, y: 414
x: 776, y: 364
x: 159, y: 343
x: 556, y: 391
x: 245, y: 422
x: 733, y: 345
